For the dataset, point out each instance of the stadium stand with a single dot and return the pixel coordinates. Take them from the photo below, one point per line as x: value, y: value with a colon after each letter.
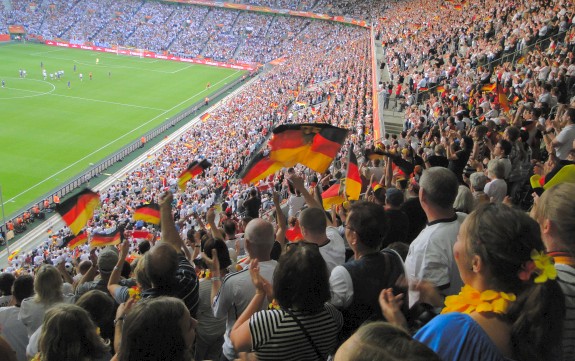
x: 487, y: 89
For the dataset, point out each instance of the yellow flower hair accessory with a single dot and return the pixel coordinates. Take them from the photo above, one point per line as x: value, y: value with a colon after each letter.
x: 470, y: 300
x: 135, y: 293
x: 545, y: 267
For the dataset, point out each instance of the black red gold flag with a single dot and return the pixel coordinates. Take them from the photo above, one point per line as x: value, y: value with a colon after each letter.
x: 77, y: 210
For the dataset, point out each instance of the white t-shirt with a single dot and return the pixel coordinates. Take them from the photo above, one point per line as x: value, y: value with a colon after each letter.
x: 430, y: 257
x: 496, y: 189
x: 13, y: 330
x: 565, y: 137
x: 333, y: 252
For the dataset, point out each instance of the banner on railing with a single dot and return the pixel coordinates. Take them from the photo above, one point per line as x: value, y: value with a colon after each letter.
x: 4, y: 37
x: 16, y: 29
x: 151, y: 55
x: 265, y: 9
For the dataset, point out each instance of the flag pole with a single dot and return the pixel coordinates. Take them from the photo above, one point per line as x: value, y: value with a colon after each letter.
x: 4, y: 221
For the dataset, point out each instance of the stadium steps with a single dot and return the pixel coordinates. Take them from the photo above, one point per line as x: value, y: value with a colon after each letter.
x: 269, y: 26
x: 393, y: 120
x: 242, y: 41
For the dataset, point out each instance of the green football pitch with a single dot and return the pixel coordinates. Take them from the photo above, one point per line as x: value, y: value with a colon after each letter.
x: 50, y: 132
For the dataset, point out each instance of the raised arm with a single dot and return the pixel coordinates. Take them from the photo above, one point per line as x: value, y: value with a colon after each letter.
x: 170, y: 234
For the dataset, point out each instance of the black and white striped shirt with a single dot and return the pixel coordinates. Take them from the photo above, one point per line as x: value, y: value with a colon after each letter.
x: 277, y: 336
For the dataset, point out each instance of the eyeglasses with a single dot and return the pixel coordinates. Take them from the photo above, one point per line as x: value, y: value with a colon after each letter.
x: 301, y: 244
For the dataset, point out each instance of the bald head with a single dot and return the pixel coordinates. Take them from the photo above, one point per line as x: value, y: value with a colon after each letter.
x: 260, y: 239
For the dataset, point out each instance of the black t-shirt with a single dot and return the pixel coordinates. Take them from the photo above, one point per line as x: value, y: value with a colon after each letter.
x: 416, y: 216
x: 398, y: 224
x: 438, y: 161
x: 458, y: 165
x: 252, y: 206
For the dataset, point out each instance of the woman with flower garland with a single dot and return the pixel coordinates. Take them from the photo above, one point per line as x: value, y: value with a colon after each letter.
x: 511, y: 307
x: 555, y: 212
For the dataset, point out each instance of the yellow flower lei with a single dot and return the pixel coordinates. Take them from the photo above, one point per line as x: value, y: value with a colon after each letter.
x: 470, y: 300
x: 274, y: 305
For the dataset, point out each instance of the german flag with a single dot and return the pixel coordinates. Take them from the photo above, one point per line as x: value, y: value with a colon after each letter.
x: 79, y: 240
x: 458, y: 7
x: 521, y: 60
x: 332, y: 196
x: 489, y: 88
x: 423, y: 89
x: 105, y: 239
x: 193, y: 170
x: 149, y: 213
x: 503, y: 101
x: 440, y: 89
x: 259, y: 168
x: 77, y: 210
x: 205, y: 117
x: 352, y: 177
x: 313, y: 145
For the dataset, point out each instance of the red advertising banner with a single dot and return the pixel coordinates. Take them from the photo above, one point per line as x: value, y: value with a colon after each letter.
x: 16, y: 29
x: 152, y: 55
x: 4, y: 37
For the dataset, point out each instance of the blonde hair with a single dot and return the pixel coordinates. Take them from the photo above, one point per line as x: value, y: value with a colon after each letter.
x: 140, y: 273
x: 48, y: 285
x: 557, y: 204
x: 68, y: 334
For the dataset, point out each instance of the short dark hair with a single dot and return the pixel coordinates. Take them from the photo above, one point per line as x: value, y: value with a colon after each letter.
x: 23, y: 287
x: 301, y: 278
x: 369, y: 222
x: 161, y: 266
x: 313, y: 220
x: 506, y: 146
x: 6, y: 282
x: 223, y: 253
x: 229, y: 227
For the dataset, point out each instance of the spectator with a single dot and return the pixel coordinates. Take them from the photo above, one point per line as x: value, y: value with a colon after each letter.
x: 398, y: 222
x: 232, y: 296
x: 57, y: 343
x: 355, y: 285
x: 314, y: 229
x: 170, y: 273
x: 210, y: 330
x: 48, y: 292
x: 496, y: 189
x: 159, y: 328
x: 464, y: 201
x: 11, y: 328
x: 385, y: 342
x: 555, y: 213
x: 430, y: 256
x: 6, y: 282
x: 303, y: 307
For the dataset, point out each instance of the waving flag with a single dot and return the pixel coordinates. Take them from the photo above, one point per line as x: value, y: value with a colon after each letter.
x: 79, y: 240
x: 193, y: 170
x: 77, y: 210
x: 314, y: 145
x: 352, y: 177
x: 106, y: 239
x: 149, y: 213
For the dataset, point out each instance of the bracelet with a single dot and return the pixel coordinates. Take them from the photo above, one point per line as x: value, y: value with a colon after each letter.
x: 218, y: 278
x: 121, y: 318
x: 197, y: 246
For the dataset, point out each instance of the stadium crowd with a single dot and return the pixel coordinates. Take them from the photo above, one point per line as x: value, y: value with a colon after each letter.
x: 488, y: 93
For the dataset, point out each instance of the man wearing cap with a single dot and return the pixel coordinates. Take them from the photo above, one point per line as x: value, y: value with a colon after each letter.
x: 104, y: 265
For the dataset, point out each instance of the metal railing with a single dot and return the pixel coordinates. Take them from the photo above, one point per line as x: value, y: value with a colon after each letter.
x: 101, y: 166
